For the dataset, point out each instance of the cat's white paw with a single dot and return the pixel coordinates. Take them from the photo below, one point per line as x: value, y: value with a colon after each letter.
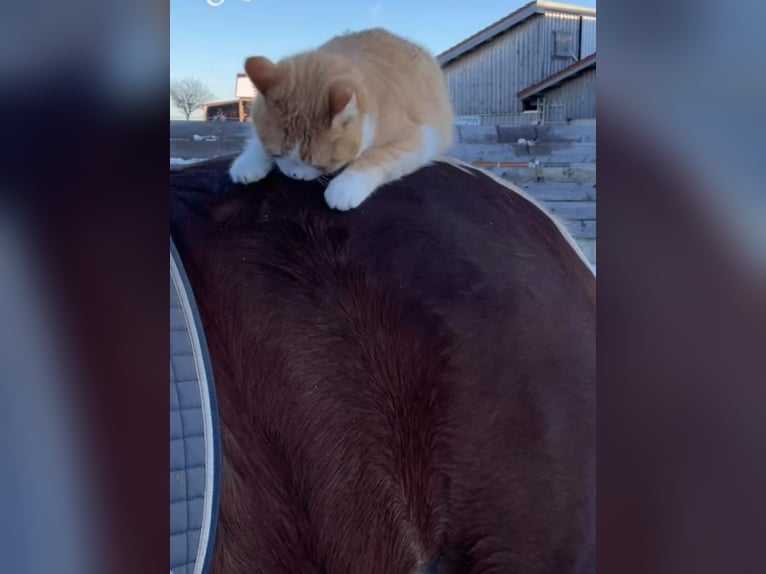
x: 349, y: 189
x: 247, y: 168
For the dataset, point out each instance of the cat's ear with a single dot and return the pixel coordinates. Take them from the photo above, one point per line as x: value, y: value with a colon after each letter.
x: 343, y: 105
x: 262, y: 72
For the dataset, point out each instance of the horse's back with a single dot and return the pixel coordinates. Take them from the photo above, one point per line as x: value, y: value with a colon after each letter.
x: 409, y: 381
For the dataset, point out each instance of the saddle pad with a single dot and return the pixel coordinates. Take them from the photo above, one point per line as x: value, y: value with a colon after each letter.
x: 194, y: 437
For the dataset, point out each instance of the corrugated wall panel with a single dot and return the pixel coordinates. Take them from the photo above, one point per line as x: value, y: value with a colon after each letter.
x: 578, y: 96
x: 588, y: 36
x: 487, y: 79
x: 551, y: 23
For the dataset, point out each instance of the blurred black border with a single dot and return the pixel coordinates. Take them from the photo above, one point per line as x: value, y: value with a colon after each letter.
x: 681, y: 309
x: 85, y: 169
x: 680, y: 375
x: 681, y: 337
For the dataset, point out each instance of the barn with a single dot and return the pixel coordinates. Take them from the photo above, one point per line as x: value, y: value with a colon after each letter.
x: 233, y: 110
x: 537, y: 63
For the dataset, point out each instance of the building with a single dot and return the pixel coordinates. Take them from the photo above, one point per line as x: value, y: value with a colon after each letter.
x: 572, y: 91
x: 538, y: 62
x: 233, y: 110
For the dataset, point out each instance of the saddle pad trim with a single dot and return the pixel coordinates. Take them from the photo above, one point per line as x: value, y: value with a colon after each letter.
x: 209, y: 409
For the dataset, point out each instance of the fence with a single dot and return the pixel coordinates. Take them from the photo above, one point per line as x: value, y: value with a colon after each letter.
x: 544, y: 114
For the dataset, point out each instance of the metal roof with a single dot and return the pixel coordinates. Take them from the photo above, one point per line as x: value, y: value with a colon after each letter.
x: 559, y: 77
x: 220, y: 103
x: 505, y: 24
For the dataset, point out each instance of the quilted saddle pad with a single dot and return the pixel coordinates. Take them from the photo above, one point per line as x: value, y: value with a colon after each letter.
x: 194, y: 432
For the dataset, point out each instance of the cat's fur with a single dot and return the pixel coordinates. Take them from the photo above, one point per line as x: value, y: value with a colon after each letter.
x: 370, y: 102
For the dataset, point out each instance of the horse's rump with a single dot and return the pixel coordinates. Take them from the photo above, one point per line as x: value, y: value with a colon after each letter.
x: 407, y: 381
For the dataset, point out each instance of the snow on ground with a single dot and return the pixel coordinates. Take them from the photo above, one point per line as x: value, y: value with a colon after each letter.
x: 184, y: 161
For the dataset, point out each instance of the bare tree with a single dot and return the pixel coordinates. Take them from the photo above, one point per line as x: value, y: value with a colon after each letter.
x: 188, y: 94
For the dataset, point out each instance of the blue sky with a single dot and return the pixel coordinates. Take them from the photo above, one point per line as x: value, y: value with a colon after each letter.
x: 211, y: 43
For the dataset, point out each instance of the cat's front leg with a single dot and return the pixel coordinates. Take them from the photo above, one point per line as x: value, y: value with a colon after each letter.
x: 253, y: 164
x: 380, y: 165
x: 350, y: 188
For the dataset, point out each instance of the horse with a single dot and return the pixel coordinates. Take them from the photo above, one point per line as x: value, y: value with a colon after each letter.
x: 403, y: 388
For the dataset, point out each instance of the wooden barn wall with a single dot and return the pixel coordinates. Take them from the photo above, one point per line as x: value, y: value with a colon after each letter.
x: 486, y: 80
x: 588, y: 36
x: 577, y: 95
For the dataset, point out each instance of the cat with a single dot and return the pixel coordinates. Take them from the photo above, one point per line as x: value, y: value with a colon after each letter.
x: 369, y: 103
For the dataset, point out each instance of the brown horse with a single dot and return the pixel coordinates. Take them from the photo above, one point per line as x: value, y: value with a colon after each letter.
x: 406, y: 387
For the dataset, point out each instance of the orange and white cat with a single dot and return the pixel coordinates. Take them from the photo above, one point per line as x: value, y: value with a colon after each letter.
x: 369, y: 103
